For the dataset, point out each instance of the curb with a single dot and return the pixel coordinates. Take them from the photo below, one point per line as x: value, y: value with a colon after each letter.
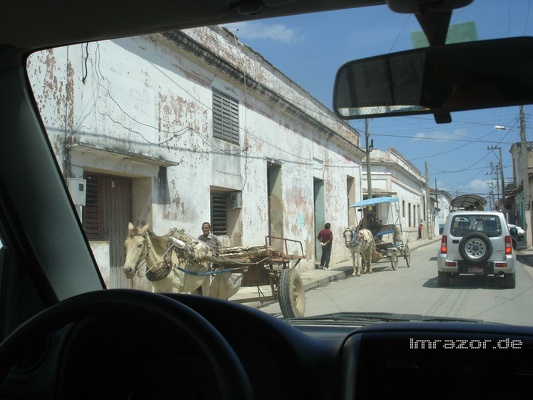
x: 311, y: 282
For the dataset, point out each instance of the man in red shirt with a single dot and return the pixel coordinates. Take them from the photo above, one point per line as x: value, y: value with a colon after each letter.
x: 326, y: 237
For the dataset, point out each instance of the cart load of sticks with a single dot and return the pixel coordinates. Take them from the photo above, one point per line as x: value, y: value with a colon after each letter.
x: 247, y: 254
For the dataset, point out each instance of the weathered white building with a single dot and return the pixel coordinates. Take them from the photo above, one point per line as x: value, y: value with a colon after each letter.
x: 190, y: 126
x: 393, y: 175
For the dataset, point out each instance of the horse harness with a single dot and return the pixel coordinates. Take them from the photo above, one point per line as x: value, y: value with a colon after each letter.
x: 142, y: 258
x: 366, y: 240
x: 354, y: 242
x: 167, y: 263
x: 162, y: 273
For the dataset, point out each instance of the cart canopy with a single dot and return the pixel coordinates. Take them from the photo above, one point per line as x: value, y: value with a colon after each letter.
x: 374, y: 200
x: 467, y: 200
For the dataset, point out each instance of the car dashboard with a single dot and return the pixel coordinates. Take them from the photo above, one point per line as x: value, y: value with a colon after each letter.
x: 132, y: 357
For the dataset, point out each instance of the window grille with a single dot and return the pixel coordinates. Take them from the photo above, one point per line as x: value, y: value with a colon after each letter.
x: 219, y: 213
x: 92, y: 210
x: 225, y: 117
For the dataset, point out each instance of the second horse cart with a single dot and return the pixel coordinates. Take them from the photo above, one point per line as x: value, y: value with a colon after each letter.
x: 388, y: 235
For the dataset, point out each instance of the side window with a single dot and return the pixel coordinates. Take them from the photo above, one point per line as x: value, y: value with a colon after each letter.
x: 225, y: 117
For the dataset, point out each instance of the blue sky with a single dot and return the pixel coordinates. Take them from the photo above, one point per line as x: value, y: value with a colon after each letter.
x: 309, y: 50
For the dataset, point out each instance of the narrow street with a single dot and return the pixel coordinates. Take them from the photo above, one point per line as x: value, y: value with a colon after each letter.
x: 386, y: 290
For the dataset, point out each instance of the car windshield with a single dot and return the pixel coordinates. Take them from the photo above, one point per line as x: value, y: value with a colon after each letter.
x: 211, y: 160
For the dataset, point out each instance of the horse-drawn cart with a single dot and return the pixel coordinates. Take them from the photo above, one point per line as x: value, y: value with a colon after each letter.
x: 177, y: 262
x: 395, y: 249
x: 388, y: 247
x: 272, y: 264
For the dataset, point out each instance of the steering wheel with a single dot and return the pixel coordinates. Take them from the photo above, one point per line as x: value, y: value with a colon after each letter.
x: 232, y: 379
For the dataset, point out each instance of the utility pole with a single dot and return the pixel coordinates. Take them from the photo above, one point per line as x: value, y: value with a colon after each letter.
x: 501, y: 172
x: 497, y: 195
x: 491, y: 196
x: 437, y: 208
x: 429, y: 220
x: 436, y: 195
x: 503, y: 181
x: 367, y: 151
x: 525, y: 177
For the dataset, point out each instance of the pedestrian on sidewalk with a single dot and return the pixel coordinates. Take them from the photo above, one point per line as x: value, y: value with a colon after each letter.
x: 420, y: 231
x: 326, y: 238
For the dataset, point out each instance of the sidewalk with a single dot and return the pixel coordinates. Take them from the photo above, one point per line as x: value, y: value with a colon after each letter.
x: 321, y: 277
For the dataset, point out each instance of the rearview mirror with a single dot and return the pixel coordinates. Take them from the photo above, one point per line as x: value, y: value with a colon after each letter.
x: 438, y: 80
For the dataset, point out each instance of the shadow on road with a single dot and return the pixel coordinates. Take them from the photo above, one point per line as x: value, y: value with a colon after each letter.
x: 472, y: 282
x: 386, y: 267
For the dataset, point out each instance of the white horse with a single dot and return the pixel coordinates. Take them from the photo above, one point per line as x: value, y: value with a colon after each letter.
x: 351, y: 241
x: 175, y: 263
x: 367, y: 247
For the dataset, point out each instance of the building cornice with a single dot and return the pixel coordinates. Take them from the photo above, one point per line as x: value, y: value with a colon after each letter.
x: 276, y: 101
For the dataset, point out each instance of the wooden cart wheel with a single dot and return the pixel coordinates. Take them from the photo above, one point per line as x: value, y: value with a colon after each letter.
x: 291, y: 294
x: 407, y: 255
x: 394, y: 261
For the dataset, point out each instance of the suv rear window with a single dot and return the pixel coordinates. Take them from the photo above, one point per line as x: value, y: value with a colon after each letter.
x: 464, y: 224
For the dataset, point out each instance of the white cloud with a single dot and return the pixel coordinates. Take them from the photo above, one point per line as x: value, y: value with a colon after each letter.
x: 477, y: 186
x: 457, y: 134
x: 261, y: 31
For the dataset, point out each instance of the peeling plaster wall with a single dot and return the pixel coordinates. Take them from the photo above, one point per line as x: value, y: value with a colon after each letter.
x: 129, y: 106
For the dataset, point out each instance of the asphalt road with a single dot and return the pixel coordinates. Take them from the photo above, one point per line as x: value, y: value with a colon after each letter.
x: 414, y: 290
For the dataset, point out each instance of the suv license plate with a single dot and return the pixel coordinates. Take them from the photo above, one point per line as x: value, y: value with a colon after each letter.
x: 475, y: 270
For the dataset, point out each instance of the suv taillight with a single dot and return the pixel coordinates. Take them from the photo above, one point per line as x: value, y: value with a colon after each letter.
x: 444, y: 244
x: 508, y: 245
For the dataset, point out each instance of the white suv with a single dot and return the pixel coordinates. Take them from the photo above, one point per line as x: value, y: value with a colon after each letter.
x: 476, y: 243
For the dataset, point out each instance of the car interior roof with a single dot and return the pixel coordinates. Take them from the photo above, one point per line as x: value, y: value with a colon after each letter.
x: 75, y: 22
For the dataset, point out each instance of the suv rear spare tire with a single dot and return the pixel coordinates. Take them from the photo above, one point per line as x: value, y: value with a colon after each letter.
x: 475, y: 248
